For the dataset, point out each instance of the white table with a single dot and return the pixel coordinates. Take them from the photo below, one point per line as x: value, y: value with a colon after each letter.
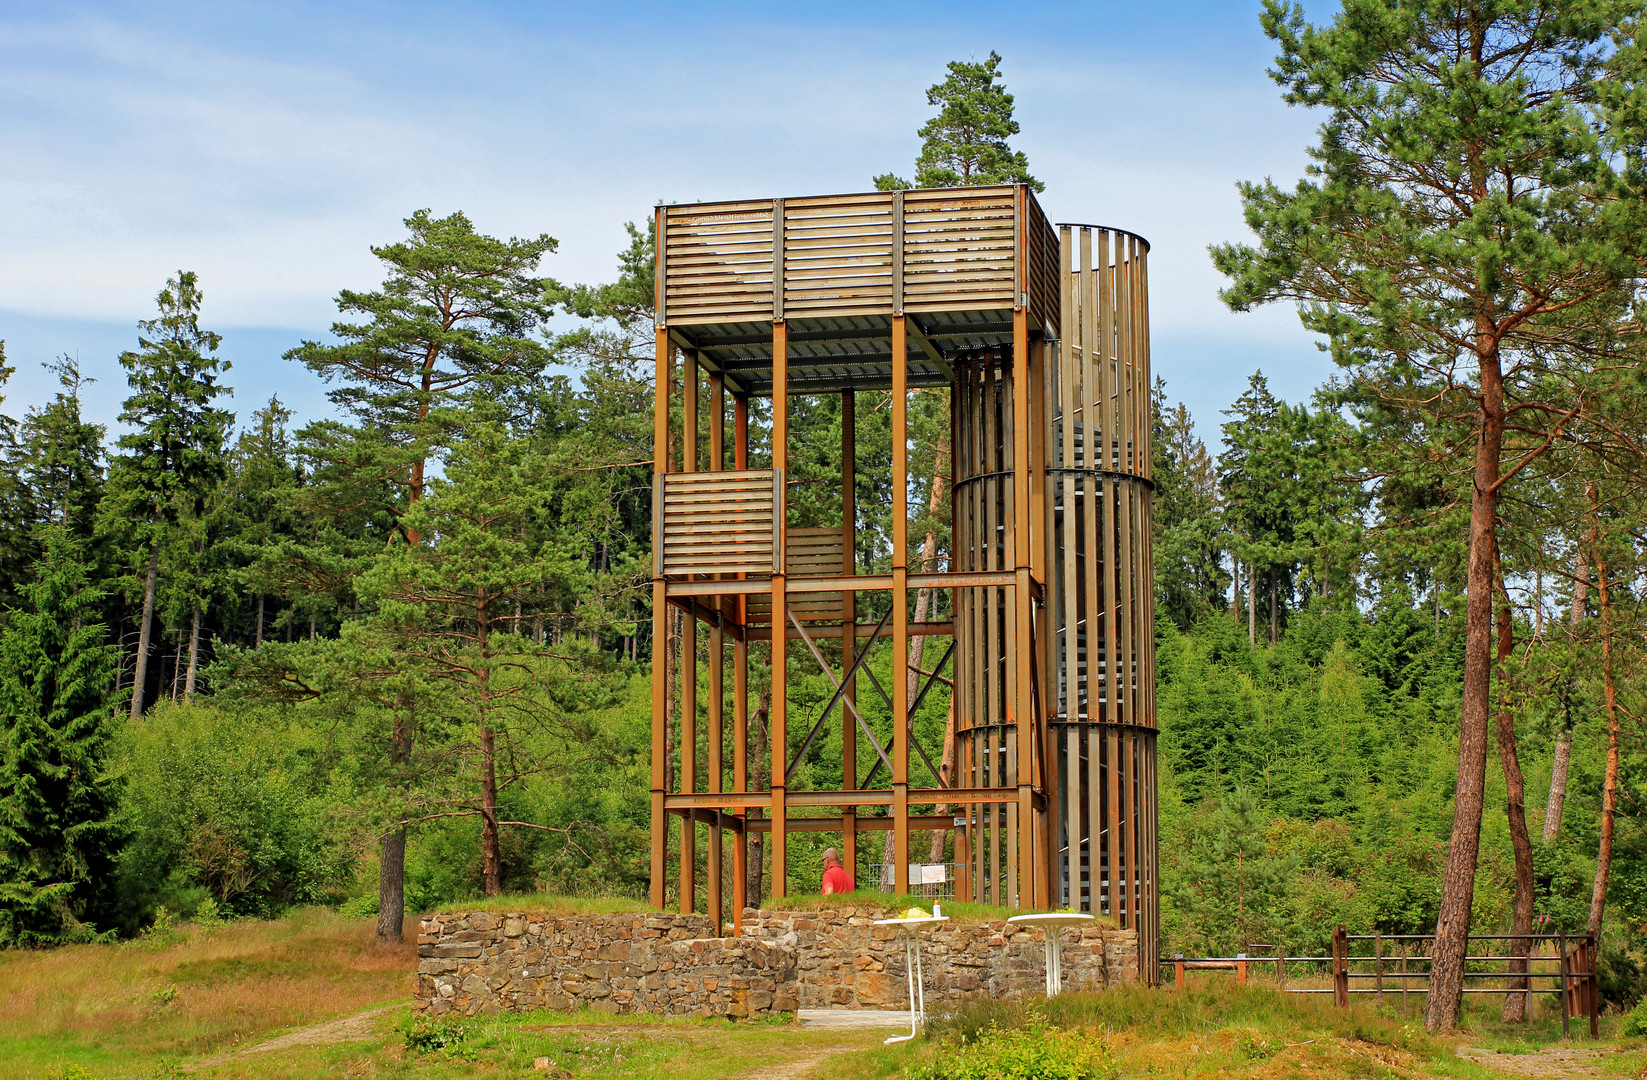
x: 1052, y: 922
x: 912, y: 968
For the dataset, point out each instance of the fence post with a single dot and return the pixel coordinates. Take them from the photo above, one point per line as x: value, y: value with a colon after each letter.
x: 1281, y: 966
x: 1178, y: 970
x: 1341, y: 967
x: 1378, y: 964
x: 1241, y: 969
x: 1566, y: 1009
x: 1593, y: 997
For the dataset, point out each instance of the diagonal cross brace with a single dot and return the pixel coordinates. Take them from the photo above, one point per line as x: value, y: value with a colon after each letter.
x: 920, y: 697
x: 840, y: 689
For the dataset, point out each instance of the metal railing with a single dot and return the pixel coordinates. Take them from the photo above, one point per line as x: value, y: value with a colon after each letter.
x: 1399, y: 964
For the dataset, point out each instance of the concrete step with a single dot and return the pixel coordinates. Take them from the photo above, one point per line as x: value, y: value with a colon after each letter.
x: 855, y: 1019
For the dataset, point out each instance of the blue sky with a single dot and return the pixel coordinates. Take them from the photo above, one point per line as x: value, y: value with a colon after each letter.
x: 267, y: 146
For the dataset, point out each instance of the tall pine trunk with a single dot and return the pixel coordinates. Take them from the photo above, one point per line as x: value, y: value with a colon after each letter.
x: 1564, y: 740
x: 194, y: 655
x: 936, y: 854
x: 391, y: 879
x: 491, y: 846
x: 1452, y: 928
x: 1252, y: 605
x: 1609, y: 789
x: 1515, y: 808
x: 759, y: 773
x: 140, y: 676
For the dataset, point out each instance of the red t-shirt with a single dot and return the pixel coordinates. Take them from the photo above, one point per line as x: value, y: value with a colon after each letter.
x: 835, y: 880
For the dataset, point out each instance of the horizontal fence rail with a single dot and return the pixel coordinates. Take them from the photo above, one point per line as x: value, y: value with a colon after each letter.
x: 1399, y: 964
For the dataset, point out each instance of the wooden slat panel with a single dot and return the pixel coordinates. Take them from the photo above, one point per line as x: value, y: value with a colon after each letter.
x: 808, y: 553
x: 837, y: 254
x: 717, y: 522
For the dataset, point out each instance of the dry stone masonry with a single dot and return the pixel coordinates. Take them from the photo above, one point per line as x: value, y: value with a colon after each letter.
x: 844, y: 961
x: 478, y: 962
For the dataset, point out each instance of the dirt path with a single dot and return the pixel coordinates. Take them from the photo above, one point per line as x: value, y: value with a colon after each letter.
x: 795, y: 1067
x: 356, y: 1027
x: 1549, y: 1064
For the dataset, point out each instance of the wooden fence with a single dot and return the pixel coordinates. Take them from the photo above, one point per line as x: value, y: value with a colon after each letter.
x: 1395, y: 965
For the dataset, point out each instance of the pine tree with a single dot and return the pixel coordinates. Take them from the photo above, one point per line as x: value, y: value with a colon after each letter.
x: 454, y: 325
x: 453, y: 604
x: 965, y: 145
x: 1468, y: 241
x: 57, y: 835
x: 454, y: 321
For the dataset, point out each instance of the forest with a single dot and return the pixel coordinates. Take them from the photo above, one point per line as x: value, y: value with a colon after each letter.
x: 397, y: 657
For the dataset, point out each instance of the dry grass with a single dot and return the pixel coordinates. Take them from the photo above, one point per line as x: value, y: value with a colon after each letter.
x: 203, y: 990
x: 955, y: 909
x: 550, y: 904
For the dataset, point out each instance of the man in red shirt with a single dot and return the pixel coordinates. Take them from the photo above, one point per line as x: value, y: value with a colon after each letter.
x: 835, y: 877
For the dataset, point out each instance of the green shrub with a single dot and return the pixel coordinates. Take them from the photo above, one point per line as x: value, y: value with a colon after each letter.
x: 1635, y: 1022
x: 227, y: 806
x: 359, y: 907
x: 1036, y: 1051
x: 428, y: 1034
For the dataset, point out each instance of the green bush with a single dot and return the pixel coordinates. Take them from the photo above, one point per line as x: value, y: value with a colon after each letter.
x: 228, y: 807
x: 1037, y: 1051
x: 1635, y: 1022
x: 429, y: 1034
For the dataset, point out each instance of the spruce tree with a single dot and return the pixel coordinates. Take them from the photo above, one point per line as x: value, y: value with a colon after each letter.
x: 173, y: 456
x: 57, y: 835
x: 965, y: 145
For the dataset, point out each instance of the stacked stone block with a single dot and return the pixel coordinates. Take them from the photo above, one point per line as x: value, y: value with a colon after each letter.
x: 477, y: 962
x: 844, y: 961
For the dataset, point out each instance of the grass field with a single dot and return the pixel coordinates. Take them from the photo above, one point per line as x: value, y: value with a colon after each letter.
x: 311, y: 996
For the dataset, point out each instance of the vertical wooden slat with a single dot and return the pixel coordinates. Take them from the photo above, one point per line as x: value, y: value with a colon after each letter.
x: 777, y: 261
x: 900, y: 605
x: 1104, y: 437
x: 779, y: 709
x: 1069, y: 599
x: 897, y: 253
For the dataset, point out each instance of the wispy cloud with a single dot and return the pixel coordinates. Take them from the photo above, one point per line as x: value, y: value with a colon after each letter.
x: 269, y: 150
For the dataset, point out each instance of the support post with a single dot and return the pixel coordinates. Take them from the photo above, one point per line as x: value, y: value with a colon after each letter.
x: 1566, y: 1001
x: 660, y: 633
x: 740, y: 700
x: 780, y: 615
x: 1341, y: 967
x: 689, y: 655
x: 1378, y: 965
x: 849, y: 628
x: 716, y: 777
x: 900, y: 606
x: 1020, y: 546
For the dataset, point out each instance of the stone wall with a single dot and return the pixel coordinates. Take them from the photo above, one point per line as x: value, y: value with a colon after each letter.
x: 477, y: 962
x: 846, y: 962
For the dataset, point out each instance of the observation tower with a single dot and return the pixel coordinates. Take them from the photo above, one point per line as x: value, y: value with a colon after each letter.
x: 1040, y: 333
